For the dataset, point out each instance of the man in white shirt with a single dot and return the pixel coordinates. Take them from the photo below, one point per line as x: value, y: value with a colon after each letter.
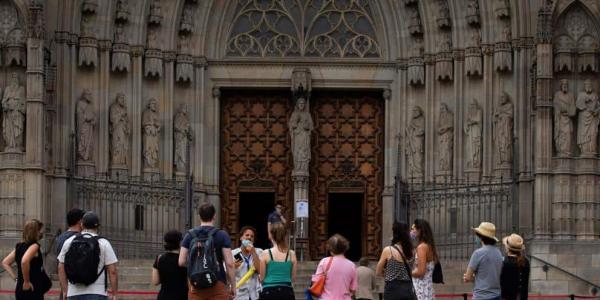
x: 108, y: 264
x: 245, y: 257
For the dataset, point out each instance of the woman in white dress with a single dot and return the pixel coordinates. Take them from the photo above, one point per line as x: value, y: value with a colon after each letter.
x: 425, y: 259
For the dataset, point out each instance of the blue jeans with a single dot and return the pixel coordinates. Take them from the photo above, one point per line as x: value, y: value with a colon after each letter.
x: 88, y: 297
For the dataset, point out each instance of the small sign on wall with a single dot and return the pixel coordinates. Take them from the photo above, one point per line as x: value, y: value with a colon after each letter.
x: 302, y: 208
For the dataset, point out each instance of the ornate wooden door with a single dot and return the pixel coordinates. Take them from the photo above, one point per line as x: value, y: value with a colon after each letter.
x: 255, y: 151
x: 347, y: 153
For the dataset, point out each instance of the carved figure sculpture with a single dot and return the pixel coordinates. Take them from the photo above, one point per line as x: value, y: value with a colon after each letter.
x: 182, y: 136
x: 473, y: 132
x: 13, y: 115
x: 152, y: 38
x: 187, y: 22
x: 87, y: 26
x: 502, y: 9
x: 155, y: 13
x: 589, y: 118
x: 564, y: 111
x: 301, y: 126
x: 122, y: 10
x: 415, y: 136
x: 150, y: 130
x: 86, y: 122
x: 119, y: 131
x: 473, y: 12
x: 414, y: 22
x: 120, y: 36
x: 445, y: 138
x: 503, y: 130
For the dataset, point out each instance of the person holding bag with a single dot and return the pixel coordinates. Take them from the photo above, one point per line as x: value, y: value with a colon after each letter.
x: 394, y: 266
x: 31, y: 279
x: 335, y: 277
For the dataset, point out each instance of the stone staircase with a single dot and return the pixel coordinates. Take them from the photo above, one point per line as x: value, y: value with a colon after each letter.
x: 136, y: 275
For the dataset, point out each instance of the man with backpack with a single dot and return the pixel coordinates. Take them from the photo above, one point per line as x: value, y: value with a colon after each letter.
x: 74, y: 217
x: 84, y: 261
x: 204, y: 250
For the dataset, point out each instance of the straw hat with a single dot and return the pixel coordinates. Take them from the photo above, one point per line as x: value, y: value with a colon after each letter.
x: 514, y: 242
x: 487, y: 229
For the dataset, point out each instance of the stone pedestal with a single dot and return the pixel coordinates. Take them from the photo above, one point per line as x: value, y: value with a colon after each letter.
x: 12, y: 195
x: 473, y: 175
x: 11, y: 160
x: 85, y: 169
x: 150, y: 174
x: 562, y: 199
x: 119, y: 172
x: 301, y: 203
x: 586, y: 196
x: 503, y: 173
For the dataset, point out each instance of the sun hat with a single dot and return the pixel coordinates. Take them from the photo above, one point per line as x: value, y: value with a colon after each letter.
x: 487, y: 229
x: 514, y: 242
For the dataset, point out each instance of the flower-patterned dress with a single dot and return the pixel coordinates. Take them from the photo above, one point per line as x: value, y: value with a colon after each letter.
x: 424, y: 286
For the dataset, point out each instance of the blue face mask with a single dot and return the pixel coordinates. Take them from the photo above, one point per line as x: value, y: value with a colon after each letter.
x: 245, y: 243
x: 413, y: 236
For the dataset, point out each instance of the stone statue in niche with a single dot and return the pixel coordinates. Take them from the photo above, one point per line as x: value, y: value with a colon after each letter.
x: 414, y: 22
x: 155, y: 13
x: 152, y: 37
x: 445, y: 44
x: 122, y: 10
x: 443, y: 16
x: 87, y: 26
x: 150, y: 131
x: 503, y: 130
x: 182, y: 136
x: 415, y: 136
x: 473, y: 132
x: 184, y: 43
x: 445, y: 138
x: 119, y: 132
x: 301, y: 126
x: 13, y: 115
x: 120, y: 36
x: 589, y: 117
x: 506, y: 35
x: 187, y: 19
x: 86, y: 123
x: 564, y: 111
x: 475, y: 38
x: 473, y: 12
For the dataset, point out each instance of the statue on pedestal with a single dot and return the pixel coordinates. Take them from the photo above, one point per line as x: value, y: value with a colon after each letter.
x: 503, y: 130
x: 182, y: 136
x: 13, y: 115
x: 301, y: 126
x: 150, y: 131
x: 119, y: 132
x: 445, y: 138
x: 473, y: 131
x: 415, y: 136
x: 86, y: 123
x: 564, y: 111
x: 589, y: 118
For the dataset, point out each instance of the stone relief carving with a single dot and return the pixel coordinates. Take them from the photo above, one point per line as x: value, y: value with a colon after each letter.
x: 564, y: 111
x: 473, y: 131
x: 187, y: 19
x: 443, y: 14
x: 443, y: 59
x: 503, y: 131
x: 588, y: 105
x: 415, y: 137
x: 119, y: 132
x: 503, y: 51
x: 301, y: 127
x: 150, y: 131
x: 13, y: 115
x: 155, y: 16
x: 473, y: 12
x: 414, y: 21
x: 86, y: 124
x: 122, y: 10
x: 182, y: 137
x: 445, y: 134
x: 307, y: 29
x: 416, y: 64
x: 473, y: 63
x: 120, y: 51
x: 502, y: 8
x: 154, y: 57
x: 88, y: 45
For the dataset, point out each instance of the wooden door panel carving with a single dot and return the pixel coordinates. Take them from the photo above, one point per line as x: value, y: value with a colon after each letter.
x: 347, y: 153
x: 255, y: 149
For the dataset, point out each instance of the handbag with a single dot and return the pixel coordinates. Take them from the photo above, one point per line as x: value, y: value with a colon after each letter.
x: 409, y: 271
x: 437, y: 276
x: 316, y: 289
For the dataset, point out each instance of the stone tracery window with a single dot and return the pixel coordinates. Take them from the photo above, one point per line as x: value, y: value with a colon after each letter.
x: 576, y: 36
x: 309, y: 28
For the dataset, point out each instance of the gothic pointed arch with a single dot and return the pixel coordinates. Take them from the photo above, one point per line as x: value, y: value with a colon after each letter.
x: 304, y: 28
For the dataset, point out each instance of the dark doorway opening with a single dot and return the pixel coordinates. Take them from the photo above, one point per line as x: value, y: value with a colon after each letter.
x: 345, y: 218
x: 254, y: 210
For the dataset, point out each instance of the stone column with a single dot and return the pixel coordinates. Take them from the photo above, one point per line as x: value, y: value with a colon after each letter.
x: 387, y: 198
x: 487, y: 106
x: 136, y: 109
x: 460, y: 103
x: 34, y: 134
x: 197, y: 123
x: 543, y: 126
x: 167, y: 110
x: 430, y: 117
x: 211, y: 149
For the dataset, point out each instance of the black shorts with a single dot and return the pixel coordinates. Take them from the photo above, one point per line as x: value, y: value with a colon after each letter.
x: 277, y: 293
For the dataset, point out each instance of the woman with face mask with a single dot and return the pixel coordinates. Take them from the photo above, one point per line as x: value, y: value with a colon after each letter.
x: 425, y: 259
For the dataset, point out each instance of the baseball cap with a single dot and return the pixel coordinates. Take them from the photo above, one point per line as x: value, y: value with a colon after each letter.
x: 91, y: 220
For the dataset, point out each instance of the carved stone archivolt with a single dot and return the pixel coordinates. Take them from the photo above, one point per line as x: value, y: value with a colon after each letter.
x: 13, y: 115
x: 304, y: 28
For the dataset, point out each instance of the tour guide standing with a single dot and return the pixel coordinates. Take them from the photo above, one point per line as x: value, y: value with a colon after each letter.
x: 203, y: 236
x: 87, y: 282
x: 485, y: 264
x: 276, y: 217
x: 247, y: 260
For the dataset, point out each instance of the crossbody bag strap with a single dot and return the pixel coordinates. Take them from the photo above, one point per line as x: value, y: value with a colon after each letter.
x: 408, y: 270
x: 328, y: 266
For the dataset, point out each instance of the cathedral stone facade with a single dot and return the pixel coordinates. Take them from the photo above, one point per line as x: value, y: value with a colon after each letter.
x: 309, y: 102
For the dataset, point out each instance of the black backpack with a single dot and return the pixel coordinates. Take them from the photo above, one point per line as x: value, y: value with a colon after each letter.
x: 203, y: 265
x: 82, y: 259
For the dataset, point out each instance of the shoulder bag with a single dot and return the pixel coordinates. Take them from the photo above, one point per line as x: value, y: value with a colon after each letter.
x: 316, y: 289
